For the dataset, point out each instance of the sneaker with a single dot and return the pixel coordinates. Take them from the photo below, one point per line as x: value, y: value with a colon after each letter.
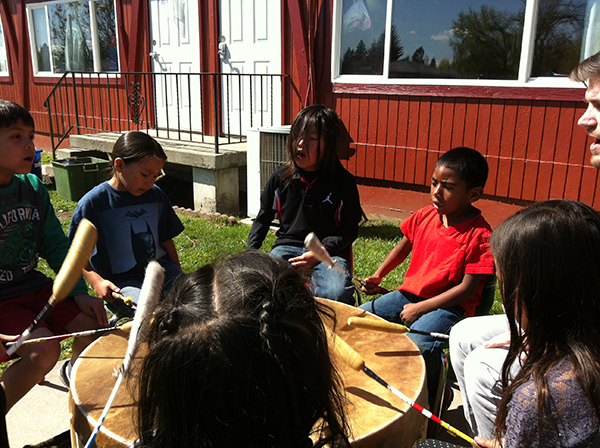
x: 63, y: 373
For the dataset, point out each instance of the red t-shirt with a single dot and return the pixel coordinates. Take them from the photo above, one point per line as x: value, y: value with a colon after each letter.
x: 442, y: 256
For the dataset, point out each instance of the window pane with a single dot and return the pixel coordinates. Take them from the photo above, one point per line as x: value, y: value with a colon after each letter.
x: 363, y: 35
x: 71, y: 37
x: 107, y: 34
x: 463, y: 39
x: 3, y: 59
x: 558, y: 37
x: 42, y: 49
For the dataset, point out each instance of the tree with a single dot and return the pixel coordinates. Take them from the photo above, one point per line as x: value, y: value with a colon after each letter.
x: 486, y: 43
x: 370, y: 61
x: 361, y: 49
x: 558, y: 37
x: 396, y: 48
x: 419, y: 56
x: 347, y: 61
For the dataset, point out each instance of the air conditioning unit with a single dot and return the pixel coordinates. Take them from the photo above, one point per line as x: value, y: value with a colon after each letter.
x: 265, y: 152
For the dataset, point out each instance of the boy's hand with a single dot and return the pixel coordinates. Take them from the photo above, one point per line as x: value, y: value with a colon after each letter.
x: 92, y: 306
x: 371, y: 285
x: 411, y: 312
x: 104, y: 290
x: 306, y: 260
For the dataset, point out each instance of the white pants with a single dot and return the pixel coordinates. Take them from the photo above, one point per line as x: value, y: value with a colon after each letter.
x: 479, y: 369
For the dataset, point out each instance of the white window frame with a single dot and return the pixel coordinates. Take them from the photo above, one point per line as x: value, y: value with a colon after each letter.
x: 4, y: 53
x: 525, y: 62
x: 93, y: 30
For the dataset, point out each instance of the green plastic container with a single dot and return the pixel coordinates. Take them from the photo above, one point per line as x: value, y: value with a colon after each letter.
x: 76, y: 176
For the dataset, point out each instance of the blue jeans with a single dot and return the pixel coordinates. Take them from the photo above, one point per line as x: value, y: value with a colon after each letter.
x: 441, y: 320
x: 131, y: 286
x: 326, y: 283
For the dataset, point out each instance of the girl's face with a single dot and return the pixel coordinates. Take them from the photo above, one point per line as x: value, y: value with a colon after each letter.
x: 137, y: 177
x: 307, y: 151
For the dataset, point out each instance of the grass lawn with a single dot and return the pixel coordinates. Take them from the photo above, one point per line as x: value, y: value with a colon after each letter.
x: 205, y: 240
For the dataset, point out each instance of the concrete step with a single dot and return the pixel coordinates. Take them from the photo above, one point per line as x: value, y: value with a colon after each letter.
x: 191, y: 153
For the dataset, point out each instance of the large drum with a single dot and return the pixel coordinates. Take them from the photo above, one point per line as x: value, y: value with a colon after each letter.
x: 377, y: 417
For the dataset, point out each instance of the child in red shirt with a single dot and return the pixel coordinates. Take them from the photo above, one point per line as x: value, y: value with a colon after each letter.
x: 450, y: 262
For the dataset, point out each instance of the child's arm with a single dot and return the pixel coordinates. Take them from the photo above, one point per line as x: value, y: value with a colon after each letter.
x: 396, y: 256
x: 102, y: 287
x: 458, y: 294
x: 170, y: 246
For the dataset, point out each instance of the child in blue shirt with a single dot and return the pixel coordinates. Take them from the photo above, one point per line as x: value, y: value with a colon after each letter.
x: 135, y: 221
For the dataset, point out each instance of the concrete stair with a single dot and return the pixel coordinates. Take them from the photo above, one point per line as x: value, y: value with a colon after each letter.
x: 218, y: 179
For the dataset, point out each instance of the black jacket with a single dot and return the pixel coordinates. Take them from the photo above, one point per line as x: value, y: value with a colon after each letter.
x: 322, y: 202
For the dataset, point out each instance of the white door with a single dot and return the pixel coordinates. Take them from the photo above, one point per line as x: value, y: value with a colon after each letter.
x: 175, y: 47
x: 251, y: 44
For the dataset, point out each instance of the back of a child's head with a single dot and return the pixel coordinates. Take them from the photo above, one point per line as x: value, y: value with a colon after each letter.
x: 12, y: 113
x: 325, y: 123
x: 238, y: 356
x: 468, y: 163
x: 134, y: 146
x: 548, y: 259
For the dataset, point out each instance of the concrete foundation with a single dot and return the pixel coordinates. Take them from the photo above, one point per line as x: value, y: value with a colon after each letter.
x: 216, y: 190
x: 216, y: 179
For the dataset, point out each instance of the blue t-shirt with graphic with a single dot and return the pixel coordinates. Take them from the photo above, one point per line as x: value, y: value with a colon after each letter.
x: 131, y: 229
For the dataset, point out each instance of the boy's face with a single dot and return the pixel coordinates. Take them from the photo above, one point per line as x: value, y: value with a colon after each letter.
x: 449, y: 192
x: 17, y: 151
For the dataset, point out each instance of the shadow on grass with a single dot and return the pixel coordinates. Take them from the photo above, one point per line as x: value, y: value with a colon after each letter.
x: 379, y: 230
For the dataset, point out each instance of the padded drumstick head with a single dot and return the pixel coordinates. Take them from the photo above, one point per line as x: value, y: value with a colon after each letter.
x: 149, y: 295
x: 379, y: 325
x: 312, y: 243
x: 81, y: 247
x: 347, y: 353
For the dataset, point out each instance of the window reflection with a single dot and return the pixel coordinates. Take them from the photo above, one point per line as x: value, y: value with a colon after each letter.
x: 465, y: 39
x: 363, y: 35
x: 458, y: 39
x: 105, y: 17
x: 62, y: 32
x: 3, y: 58
x: 70, y: 36
x: 558, y: 37
x: 42, y: 48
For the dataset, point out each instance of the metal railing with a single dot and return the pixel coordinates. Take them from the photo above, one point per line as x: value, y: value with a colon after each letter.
x: 171, y: 105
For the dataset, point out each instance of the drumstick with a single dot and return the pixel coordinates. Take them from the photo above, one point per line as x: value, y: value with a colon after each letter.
x: 81, y: 247
x: 127, y: 300
x: 148, y: 299
x: 389, y: 327
x: 312, y: 243
x: 356, y: 362
x: 126, y: 326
